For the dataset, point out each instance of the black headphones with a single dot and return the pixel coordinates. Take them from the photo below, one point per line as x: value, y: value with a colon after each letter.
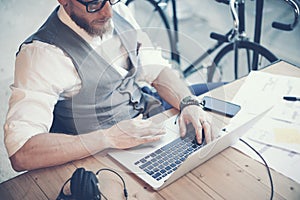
x: 84, y: 185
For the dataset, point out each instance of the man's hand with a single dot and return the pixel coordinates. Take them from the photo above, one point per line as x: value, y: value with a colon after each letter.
x: 200, y: 120
x: 133, y: 132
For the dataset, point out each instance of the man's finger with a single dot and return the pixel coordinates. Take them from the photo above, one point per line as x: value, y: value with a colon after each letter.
x: 207, y: 131
x: 198, y: 130
x: 182, y: 126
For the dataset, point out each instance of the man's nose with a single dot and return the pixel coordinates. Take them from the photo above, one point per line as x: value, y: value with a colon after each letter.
x: 106, y: 10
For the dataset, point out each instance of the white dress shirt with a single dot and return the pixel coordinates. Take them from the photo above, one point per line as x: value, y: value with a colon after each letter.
x: 45, y: 75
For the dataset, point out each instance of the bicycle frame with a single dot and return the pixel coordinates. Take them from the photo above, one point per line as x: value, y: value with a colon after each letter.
x: 257, y: 30
x: 175, y: 54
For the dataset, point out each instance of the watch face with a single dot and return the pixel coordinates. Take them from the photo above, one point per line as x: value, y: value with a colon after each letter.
x: 186, y: 99
x: 189, y: 100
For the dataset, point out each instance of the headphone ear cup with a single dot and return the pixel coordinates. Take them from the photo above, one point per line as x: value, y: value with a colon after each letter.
x: 92, y: 187
x: 76, y: 182
x: 84, y: 185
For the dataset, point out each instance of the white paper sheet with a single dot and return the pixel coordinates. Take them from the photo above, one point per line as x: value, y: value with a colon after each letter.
x: 277, y: 135
x: 262, y: 90
x: 282, y: 161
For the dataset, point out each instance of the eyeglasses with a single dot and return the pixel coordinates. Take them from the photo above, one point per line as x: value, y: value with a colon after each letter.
x: 96, y: 5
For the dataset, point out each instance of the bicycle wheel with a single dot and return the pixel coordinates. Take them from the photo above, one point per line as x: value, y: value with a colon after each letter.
x: 155, y: 24
x: 225, y: 60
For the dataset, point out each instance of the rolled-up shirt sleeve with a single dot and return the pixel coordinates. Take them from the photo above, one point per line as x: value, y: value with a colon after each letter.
x: 42, y: 74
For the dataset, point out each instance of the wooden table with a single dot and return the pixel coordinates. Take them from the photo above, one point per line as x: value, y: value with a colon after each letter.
x: 228, y: 175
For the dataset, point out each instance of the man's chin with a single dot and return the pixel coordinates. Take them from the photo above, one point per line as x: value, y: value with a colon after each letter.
x: 95, y: 28
x: 99, y: 28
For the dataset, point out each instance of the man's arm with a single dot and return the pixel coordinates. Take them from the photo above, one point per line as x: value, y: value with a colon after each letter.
x: 170, y: 87
x: 50, y: 149
x: 45, y: 149
x: 173, y: 89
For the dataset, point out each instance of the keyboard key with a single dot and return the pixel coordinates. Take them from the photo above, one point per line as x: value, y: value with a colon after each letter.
x: 173, y: 165
x: 136, y: 163
x: 145, y: 165
x: 156, y: 175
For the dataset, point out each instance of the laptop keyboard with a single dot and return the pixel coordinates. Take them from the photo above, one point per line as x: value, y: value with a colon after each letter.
x: 168, y: 158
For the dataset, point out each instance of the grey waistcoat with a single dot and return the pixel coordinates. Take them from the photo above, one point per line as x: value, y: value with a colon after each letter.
x: 105, y: 97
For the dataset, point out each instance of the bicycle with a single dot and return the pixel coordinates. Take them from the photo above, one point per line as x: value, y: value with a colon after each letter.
x: 232, y: 42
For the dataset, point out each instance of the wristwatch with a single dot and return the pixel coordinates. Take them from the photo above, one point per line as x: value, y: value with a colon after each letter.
x: 189, y: 100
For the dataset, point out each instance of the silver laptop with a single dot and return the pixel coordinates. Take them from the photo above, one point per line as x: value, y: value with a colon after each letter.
x: 161, y: 163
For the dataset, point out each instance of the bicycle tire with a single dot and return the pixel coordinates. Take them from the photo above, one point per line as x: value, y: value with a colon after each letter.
x: 166, y: 24
x: 250, y: 47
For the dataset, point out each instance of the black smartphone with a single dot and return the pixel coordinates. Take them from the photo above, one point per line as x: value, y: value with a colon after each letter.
x: 219, y: 106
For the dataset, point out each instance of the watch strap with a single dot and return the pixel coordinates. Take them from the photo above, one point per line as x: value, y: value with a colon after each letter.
x: 189, y: 100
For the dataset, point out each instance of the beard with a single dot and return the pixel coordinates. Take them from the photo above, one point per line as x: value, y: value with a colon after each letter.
x: 92, y: 30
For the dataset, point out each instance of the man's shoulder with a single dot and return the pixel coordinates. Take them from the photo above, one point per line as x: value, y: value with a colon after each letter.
x: 42, y: 48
